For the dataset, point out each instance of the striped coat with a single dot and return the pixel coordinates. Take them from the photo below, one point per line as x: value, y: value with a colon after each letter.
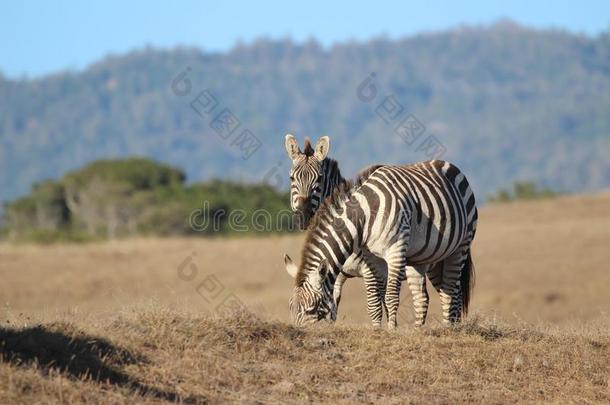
x: 419, y: 218
x: 313, y: 178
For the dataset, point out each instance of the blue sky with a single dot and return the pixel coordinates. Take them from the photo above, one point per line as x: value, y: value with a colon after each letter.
x: 41, y: 37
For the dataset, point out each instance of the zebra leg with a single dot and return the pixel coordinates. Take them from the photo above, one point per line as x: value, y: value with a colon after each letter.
x: 337, y: 291
x: 396, y: 260
x: 379, y: 272
x: 450, y: 294
x: 382, y: 279
x: 435, y: 275
x: 416, y: 279
x: 373, y: 297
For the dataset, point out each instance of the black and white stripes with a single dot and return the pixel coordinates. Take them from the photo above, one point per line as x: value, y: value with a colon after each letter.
x: 313, y: 177
x: 419, y: 218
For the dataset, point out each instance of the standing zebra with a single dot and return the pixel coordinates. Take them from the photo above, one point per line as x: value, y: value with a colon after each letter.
x: 313, y: 178
x: 418, y: 218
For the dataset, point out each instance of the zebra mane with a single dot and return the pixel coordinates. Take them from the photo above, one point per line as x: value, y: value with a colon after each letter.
x: 323, y: 215
x: 342, y: 192
x: 333, y: 166
x: 364, y: 174
x: 307, y: 148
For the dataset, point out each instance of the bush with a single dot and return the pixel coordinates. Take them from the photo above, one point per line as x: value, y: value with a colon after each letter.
x: 523, y: 191
x: 117, y: 198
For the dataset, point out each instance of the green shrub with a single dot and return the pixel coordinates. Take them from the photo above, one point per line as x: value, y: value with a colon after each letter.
x: 118, y: 198
x: 522, y: 191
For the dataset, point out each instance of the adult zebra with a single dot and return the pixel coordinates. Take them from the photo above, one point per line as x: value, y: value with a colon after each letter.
x: 422, y: 215
x: 313, y: 178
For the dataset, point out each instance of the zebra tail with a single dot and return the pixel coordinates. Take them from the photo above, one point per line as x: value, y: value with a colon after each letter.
x: 467, y: 282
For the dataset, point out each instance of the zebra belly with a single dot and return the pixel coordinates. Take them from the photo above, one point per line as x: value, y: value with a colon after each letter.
x: 353, y: 264
x: 356, y: 263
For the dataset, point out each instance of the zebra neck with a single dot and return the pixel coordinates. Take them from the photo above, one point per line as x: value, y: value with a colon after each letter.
x: 332, y: 177
x: 334, y: 238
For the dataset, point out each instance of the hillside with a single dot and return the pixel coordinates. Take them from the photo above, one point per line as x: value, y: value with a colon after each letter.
x: 521, y: 104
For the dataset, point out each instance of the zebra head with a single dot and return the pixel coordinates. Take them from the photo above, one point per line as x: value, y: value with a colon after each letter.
x: 306, y: 177
x: 311, y: 299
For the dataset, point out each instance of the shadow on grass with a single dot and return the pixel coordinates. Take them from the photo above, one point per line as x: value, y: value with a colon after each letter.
x: 61, y: 347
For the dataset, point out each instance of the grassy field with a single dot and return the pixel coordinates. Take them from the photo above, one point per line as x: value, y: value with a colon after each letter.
x: 145, y: 320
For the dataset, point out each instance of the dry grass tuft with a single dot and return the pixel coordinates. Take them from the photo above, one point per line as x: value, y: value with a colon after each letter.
x: 488, y: 329
x: 163, y: 355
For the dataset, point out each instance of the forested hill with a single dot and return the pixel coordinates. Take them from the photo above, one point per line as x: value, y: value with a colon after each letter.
x: 505, y: 102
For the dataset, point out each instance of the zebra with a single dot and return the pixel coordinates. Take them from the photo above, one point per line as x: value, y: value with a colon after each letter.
x: 419, y: 218
x: 313, y: 177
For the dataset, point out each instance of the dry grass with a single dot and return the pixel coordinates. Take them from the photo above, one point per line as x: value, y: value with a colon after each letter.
x: 79, y: 325
x: 159, y: 355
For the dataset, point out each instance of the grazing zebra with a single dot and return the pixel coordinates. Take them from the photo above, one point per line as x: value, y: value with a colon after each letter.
x: 419, y: 218
x: 313, y: 178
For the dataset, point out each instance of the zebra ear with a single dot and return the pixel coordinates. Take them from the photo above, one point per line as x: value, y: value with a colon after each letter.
x: 322, y: 147
x: 291, y: 268
x: 292, y: 146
